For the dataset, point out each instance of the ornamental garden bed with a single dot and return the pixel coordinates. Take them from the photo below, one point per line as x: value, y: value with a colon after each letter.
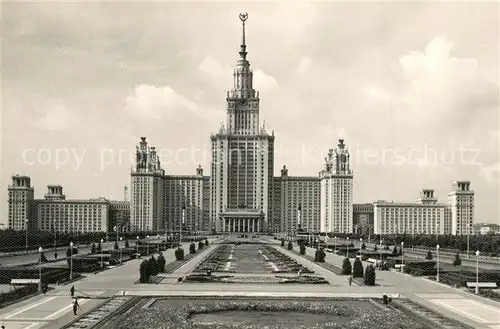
x: 248, y: 313
x: 216, y: 261
x: 284, y: 263
x: 328, y: 266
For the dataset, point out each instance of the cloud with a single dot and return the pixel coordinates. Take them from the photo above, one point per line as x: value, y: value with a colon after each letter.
x: 55, y: 117
x: 438, y: 87
x: 150, y: 102
x: 263, y: 81
x: 304, y: 65
x: 490, y: 173
x: 214, y: 68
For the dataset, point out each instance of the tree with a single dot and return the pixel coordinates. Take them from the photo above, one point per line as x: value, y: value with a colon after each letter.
x: 302, y: 248
x: 43, y: 259
x: 395, y: 251
x: 457, y: 260
x: 200, y: 245
x: 429, y: 255
x: 369, y: 278
x: 375, y: 248
x: 319, y: 256
x: 144, y: 272
x: 192, y: 248
x: 99, y: 247
x: 160, y: 262
x: 357, y: 270
x: 152, y: 266
x: 363, y: 247
x: 290, y: 245
x: 116, y: 245
x: 206, y: 242
x: 179, y: 254
x: 346, y: 266
x: 282, y: 242
x: 127, y: 244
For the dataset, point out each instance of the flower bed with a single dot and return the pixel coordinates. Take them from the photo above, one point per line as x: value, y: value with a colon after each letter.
x: 284, y: 263
x: 216, y: 260
x: 314, y: 315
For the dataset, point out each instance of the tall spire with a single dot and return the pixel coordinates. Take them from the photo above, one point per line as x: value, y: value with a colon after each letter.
x: 243, y: 52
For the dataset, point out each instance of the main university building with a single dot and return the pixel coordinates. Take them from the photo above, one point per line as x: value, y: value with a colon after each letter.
x: 243, y: 195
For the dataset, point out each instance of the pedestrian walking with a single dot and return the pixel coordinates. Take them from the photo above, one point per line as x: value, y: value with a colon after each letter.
x: 72, y: 291
x: 55, y: 255
x: 350, y: 280
x: 76, y: 306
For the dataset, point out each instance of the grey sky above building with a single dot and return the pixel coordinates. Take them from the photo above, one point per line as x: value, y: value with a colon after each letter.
x: 412, y: 87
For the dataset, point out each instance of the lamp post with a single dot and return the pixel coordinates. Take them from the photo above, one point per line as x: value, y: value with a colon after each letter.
x: 335, y: 244
x: 347, y: 252
x: 402, y: 255
x: 437, y: 253
x: 182, y: 223
x: 468, y: 232
x: 147, y: 244
x: 477, y: 272
x: 102, y: 255
x: 121, y: 238
x: 55, y: 236
x: 26, y: 228
x: 40, y: 269
x: 360, y: 242
x: 70, y: 260
x: 380, y: 258
x: 137, y: 244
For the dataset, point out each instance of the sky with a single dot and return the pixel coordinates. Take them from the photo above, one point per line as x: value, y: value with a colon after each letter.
x: 411, y: 87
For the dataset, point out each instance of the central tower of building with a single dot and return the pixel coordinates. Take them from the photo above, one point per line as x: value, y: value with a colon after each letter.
x: 242, y: 158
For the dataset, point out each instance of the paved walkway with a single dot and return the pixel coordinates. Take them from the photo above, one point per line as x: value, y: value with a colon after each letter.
x: 476, y: 311
x: 53, y: 310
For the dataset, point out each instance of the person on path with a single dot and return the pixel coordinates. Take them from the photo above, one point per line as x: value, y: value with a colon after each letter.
x: 350, y: 280
x: 72, y: 291
x: 55, y: 255
x: 76, y: 306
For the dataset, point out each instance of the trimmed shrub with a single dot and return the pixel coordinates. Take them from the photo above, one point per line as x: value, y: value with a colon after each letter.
x: 99, y: 247
x: 127, y: 244
x: 429, y: 255
x: 395, y: 251
x: 206, y: 242
x: 375, y: 248
x: 457, y: 260
x: 179, y: 254
x: 144, y: 272
x: 357, y: 269
x: 302, y: 248
x: 192, y: 248
x: 93, y: 249
x: 282, y: 242
x: 116, y: 245
x: 160, y: 263
x: 369, y: 278
x: 43, y: 259
x: 363, y: 247
x: 346, y: 266
x: 200, y: 245
x: 319, y: 256
x: 290, y: 245
x: 152, y: 266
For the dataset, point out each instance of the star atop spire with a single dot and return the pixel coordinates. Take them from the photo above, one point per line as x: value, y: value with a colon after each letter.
x: 243, y: 47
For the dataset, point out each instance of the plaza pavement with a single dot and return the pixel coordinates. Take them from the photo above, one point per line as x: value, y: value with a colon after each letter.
x: 54, y: 309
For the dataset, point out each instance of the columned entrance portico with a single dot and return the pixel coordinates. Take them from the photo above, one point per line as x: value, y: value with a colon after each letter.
x: 242, y: 221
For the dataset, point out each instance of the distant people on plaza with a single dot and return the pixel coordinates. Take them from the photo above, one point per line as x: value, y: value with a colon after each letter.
x: 72, y: 291
x: 75, y: 306
x: 350, y: 280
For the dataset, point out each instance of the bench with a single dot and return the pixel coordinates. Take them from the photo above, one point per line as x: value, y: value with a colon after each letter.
x: 22, y: 282
x: 482, y: 285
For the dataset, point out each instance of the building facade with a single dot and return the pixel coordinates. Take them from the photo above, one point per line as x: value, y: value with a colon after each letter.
x: 56, y: 213
x: 241, y: 194
x: 362, y: 218
x: 461, y: 208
